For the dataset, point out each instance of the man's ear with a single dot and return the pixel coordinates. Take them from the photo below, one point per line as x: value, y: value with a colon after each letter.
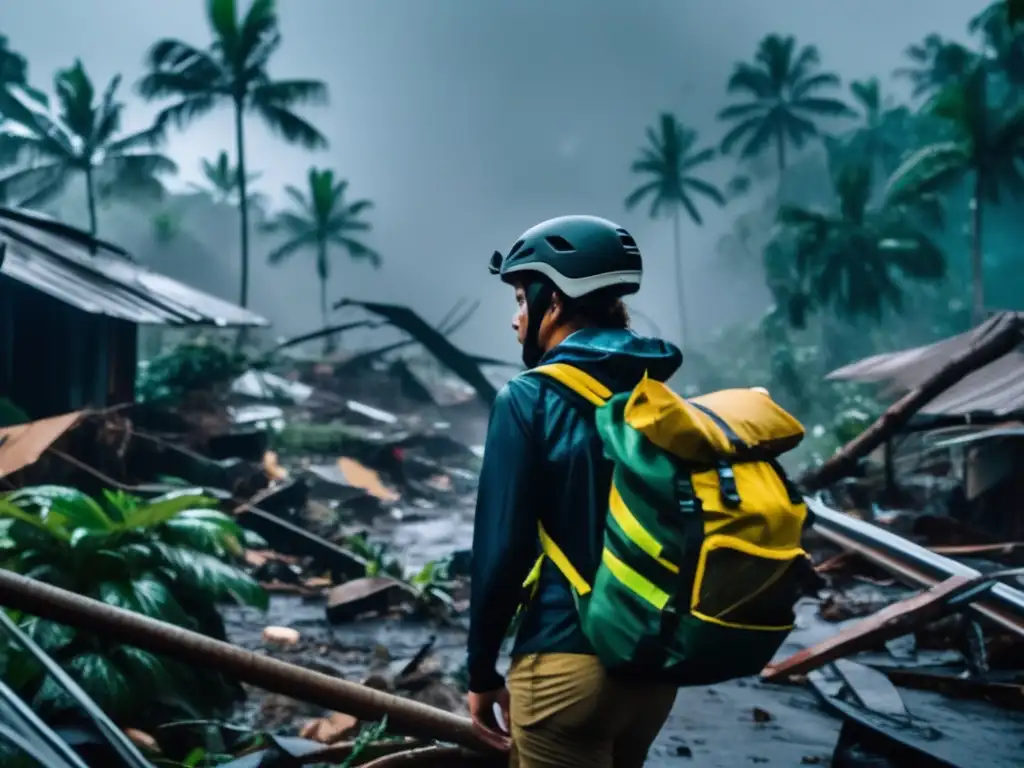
x: 555, y: 307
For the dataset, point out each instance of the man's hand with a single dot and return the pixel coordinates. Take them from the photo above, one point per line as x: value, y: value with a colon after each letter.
x: 481, y: 709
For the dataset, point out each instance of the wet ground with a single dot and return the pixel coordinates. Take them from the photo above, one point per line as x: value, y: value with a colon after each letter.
x: 743, y: 722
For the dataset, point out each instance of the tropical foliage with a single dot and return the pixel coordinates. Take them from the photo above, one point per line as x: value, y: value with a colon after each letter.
x: 79, y: 134
x: 221, y: 181
x: 933, y: 64
x: 785, y: 95
x: 233, y: 70
x: 669, y: 164
x: 984, y: 146
x: 855, y: 257
x: 196, y: 366
x: 170, y: 558
x: 323, y: 218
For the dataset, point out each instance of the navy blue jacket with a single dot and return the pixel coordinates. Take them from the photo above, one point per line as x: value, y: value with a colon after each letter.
x: 543, y: 459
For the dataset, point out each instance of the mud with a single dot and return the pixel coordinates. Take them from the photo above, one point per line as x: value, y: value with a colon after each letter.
x: 743, y: 722
x: 714, y: 726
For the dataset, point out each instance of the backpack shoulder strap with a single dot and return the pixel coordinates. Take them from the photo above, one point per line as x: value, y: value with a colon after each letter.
x: 577, y: 381
x: 597, y: 394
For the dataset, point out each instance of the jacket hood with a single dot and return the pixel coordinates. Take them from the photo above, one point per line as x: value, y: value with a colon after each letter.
x: 617, y: 358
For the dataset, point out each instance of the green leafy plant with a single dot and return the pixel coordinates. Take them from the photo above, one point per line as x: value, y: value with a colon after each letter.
x: 379, y: 561
x: 432, y: 584
x: 171, y: 558
x: 194, y: 366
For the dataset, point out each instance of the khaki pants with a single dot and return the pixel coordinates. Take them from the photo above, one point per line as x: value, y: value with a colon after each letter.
x: 567, y: 713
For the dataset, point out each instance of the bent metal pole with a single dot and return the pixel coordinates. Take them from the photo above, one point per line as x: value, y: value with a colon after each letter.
x: 404, y: 716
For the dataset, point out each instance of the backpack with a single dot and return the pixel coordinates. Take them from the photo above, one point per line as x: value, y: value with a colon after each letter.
x: 702, y: 559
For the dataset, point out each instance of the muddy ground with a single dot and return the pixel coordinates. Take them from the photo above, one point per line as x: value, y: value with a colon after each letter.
x: 712, y: 727
x: 744, y: 722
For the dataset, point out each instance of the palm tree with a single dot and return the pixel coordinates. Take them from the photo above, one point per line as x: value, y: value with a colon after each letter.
x: 881, y: 136
x: 13, y: 66
x: 1003, y: 39
x: 985, y: 149
x: 220, y: 180
x: 669, y: 161
x: 854, y: 258
x: 784, y: 88
x: 233, y: 70
x: 323, y: 219
x: 13, y: 71
x: 220, y: 185
x: 82, y: 136
x: 934, y: 63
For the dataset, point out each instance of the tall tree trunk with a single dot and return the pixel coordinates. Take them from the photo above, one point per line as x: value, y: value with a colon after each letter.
x: 684, y: 329
x: 243, y: 209
x: 243, y: 204
x: 90, y: 197
x: 780, y: 154
x: 321, y: 270
x: 977, y: 256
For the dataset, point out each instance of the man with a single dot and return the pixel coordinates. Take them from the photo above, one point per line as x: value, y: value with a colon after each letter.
x: 543, y: 462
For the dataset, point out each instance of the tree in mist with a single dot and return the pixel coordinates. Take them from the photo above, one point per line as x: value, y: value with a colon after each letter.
x: 220, y: 182
x: 13, y: 66
x: 855, y: 258
x: 1002, y: 39
x: 785, y: 95
x: 323, y: 219
x: 986, y: 150
x: 669, y: 162
x: 82, y: 135
x: 881, y: 136
x: 233, y: 70
x: 13, y: 72
x: 934, y: 63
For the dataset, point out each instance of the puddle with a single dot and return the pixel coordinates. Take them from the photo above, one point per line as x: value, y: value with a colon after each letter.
x: 420, y: 541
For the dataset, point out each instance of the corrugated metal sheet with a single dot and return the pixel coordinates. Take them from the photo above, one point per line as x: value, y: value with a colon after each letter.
x: 997, y: 388
x: 105, y: 283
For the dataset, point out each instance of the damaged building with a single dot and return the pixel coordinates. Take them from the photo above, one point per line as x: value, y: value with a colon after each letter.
x: 962, y: 452
x: 70, y: 312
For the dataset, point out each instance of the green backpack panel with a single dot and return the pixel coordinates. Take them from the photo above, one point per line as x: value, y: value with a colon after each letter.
x: 702, y: 547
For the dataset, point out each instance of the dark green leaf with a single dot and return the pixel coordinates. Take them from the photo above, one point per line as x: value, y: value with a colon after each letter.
x: 166, y: 507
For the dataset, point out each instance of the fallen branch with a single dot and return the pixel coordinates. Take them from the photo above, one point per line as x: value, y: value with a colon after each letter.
x: 404, y: 716
x: 997, y: 337
x: 434, y: 341
x: 319, y: 334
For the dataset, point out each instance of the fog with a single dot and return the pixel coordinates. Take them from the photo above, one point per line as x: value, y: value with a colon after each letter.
x: 468, y: 121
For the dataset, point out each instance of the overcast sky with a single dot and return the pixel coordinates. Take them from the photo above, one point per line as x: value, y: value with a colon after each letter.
x: 469, y: 120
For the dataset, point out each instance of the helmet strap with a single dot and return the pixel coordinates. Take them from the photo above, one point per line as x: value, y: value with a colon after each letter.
x: 538, y: 300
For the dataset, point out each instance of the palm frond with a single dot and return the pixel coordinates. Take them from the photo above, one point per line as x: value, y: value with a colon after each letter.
x: 637, y: 195
x: 290, y: 126
x: 740, y: 132
x: 298, y: 243
x: 291, y: 93
x: 185, y: 112
x: 358, y: 250
x: 179, y: 70
x: 933, y: 167
x: 824, y: 106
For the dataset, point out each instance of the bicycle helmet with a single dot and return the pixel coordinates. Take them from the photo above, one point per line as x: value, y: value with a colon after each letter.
x: 576, y: 255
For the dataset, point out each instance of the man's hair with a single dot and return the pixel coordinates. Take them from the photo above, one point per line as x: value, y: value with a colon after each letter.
x: 602, y: 309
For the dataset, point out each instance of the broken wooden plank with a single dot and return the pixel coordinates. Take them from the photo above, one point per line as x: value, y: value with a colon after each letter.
x: 892, y: 621
x: 286, y: 537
